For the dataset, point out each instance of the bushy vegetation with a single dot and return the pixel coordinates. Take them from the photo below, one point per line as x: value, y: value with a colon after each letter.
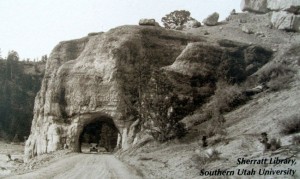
x: 290, y: 125
x: 227, y: 97
x: 162, y: 110
x: 210, y: 117
x: 17, y: 92
x: 277, y: 76
x: 275, y: 144
x: 203, y: 159
x: 215, y: 126
x: 176, y: 19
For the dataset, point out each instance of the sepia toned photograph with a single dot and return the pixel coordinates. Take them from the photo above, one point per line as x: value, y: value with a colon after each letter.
x: 131, y: 89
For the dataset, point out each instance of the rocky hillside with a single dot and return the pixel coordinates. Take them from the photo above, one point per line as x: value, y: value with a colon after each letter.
x: 223, y: 83
x: 235, y: 129
x: 20, y: 81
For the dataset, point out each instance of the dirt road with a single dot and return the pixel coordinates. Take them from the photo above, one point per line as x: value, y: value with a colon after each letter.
x: 82, y: 166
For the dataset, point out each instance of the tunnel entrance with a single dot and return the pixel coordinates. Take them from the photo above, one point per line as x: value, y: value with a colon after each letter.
x: 98, y: 136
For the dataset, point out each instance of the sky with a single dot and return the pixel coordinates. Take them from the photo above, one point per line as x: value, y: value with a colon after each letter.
x: 34, y: 27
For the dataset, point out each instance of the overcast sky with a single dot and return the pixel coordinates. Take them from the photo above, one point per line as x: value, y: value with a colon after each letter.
x: 34, y: 27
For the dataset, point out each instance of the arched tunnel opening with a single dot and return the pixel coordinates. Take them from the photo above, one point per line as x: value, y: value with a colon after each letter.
x: 98, y: 136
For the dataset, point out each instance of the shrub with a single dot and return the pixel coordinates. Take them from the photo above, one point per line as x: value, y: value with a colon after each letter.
x: 162, y: 110
x: 180, y: 130
x: 214, y: 129
x: 214, y: 155
x: 214, y: 121
x: 277, y: 76
x: 228, y: 97
x: 291, y: 125
x: 201, y: 160
x: 275, y: 144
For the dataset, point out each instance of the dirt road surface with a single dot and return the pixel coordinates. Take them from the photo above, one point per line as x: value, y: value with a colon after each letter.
x: 81, y: 166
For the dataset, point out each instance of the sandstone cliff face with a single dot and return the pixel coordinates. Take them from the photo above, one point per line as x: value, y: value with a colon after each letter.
x: 101, y: 77
x: 94, y: 78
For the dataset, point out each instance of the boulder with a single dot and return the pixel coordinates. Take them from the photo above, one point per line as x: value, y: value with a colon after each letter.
x: 212, y: 19
x: 256, y: 6
x: 286, y: 21
x: 192, y: 24
x: 148, y: 22
x: 292, y: 6
x: 247, y: 30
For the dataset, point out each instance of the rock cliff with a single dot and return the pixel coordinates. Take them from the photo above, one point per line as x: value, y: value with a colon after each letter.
x: 94, y: 78
x: 100, y: 78
x: 284, y: 13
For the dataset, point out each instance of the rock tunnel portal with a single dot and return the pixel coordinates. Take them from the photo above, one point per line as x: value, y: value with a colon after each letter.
x: 101, y: 132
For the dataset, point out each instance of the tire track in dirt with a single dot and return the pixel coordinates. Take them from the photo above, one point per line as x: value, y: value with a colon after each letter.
x: 83, y: 166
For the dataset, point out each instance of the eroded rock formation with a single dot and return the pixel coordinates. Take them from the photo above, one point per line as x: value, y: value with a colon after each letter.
x: 95, y: 78
x: 284, y: 13
x: 292, y: 6
x: 286, y: 21
x: 100, y: 78
x: 257, y: 6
